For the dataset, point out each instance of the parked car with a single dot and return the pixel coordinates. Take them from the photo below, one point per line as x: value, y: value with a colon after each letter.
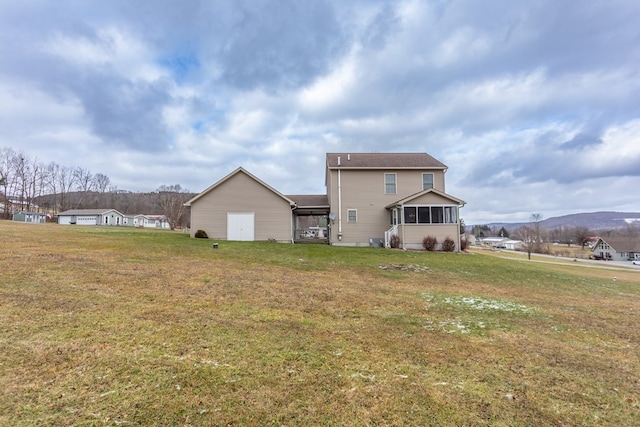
x: 635, y: 262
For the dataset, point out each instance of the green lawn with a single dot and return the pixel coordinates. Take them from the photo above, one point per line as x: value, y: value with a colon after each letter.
x: 117, y: 326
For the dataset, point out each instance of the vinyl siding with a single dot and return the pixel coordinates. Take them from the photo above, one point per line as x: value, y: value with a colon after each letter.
x: 411, y: 235
x: 241, y: 193
x: 364, y: 190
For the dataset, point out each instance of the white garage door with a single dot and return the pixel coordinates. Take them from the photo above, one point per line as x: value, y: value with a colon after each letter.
x: 240, y: 226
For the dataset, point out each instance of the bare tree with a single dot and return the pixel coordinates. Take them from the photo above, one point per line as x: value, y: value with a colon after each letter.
x: 53, y: 170
x: 582, y: 235
x: 171, y: 199
x: 7, y: 178
x: 101, y: 182
x: 84, y: 183
x: 21, y: 171
x: 535, y: 219
x: 527, y: 235
x: 66, y: 182
x: 531, y: 235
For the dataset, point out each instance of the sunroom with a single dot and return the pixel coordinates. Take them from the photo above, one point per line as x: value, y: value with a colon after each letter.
x: 428, y: 213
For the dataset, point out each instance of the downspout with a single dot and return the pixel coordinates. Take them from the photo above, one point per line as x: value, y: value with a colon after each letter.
x: 401, y: 222
x: 458, y: 232
x: 339, y: 203
x: 293, y: 231
x: 459, y: 238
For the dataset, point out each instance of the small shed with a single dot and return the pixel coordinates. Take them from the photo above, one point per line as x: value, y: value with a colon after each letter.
x: 32, y: 217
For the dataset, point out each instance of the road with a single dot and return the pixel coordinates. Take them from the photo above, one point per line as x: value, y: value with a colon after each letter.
x: 553, y: 259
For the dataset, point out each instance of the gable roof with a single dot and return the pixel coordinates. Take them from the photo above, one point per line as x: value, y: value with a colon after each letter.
x: 621, y: 244
x: 87, y: 212
x: 153, y: 216
x: 232, y: 174
x: 383, y: 161
x: 422, y: 193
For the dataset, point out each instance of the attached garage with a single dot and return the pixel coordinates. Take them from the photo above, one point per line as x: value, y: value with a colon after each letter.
x: 242, y: 207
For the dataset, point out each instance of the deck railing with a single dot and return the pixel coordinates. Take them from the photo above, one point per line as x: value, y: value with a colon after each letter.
x: 387, y: 235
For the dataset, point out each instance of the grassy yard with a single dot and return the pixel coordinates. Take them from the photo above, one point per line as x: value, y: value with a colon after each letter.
x: 117, y: 326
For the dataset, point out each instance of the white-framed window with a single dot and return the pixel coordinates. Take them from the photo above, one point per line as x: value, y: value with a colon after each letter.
x: 389, y: 183
x: 430, y: 214
x: 352, y: 215
x: 427, y: 181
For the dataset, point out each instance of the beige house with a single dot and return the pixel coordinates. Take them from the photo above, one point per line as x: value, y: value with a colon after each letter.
x: 376, y: 195
x: 370, y: 197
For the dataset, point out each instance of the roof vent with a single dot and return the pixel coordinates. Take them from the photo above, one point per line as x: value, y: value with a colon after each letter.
x: 349, y: 157
x: 338, y: 160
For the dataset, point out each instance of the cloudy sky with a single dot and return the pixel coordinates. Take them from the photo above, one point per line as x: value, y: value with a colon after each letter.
x: 534, y: 106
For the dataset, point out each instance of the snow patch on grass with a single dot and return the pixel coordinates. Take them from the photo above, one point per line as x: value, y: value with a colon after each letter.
x: 478, y: 303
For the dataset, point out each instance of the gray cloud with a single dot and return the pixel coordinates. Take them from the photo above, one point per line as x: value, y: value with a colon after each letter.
x: 527, y: 103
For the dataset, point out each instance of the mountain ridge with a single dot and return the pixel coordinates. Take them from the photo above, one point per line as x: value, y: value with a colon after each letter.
x: 601, y: 220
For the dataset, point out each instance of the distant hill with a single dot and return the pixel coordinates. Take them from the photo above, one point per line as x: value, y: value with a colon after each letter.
x: 592, y: 220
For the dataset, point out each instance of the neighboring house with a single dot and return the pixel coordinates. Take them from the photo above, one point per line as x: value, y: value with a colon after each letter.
x: 494, y: 242
x: 149, y: 221
x: 34, y: 217
x: 617, y: 248
x: 514, y: 245
x: 370, y: 197
x: 92, y: 217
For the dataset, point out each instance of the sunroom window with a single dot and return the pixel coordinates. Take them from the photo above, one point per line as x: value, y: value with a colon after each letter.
x: 430, y: 214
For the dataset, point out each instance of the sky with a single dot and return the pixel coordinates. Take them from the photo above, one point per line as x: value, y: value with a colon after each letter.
x: 534, y: 106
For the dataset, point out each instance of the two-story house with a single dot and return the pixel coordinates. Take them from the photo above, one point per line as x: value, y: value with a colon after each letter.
x: 370, y: 197
x: 376, y: 195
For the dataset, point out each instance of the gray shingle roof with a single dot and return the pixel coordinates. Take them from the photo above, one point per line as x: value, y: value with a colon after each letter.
x: 623, y: 244
x: 310, y: 200
x: 85, y: 211
x: 384, y: 161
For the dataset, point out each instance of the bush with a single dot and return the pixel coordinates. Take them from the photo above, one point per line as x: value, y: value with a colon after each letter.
x: 201, y: 234
x: 429, y: 243
x: 463, y: 244
x: 448, y: 245
x: 394, y: 241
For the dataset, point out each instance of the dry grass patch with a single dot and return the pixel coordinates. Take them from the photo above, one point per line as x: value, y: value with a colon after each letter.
x: 115, y: 326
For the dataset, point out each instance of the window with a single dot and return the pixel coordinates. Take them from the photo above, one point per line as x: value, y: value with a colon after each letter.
x: 450, y: 215
x: 352, y: 215
x: 430, y: 215
x: 424, y: 215
x: 389, y: 183
x: 427, y: 181
x: 437, y: 215
x: 410, y: 215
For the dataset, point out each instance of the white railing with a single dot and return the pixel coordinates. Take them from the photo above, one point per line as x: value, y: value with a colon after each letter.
x: 387, y: 235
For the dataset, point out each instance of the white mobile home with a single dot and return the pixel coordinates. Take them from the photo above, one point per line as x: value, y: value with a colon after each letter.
x: 91, y: 217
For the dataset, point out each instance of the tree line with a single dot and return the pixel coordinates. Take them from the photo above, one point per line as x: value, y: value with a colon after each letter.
x: 31, y: 185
